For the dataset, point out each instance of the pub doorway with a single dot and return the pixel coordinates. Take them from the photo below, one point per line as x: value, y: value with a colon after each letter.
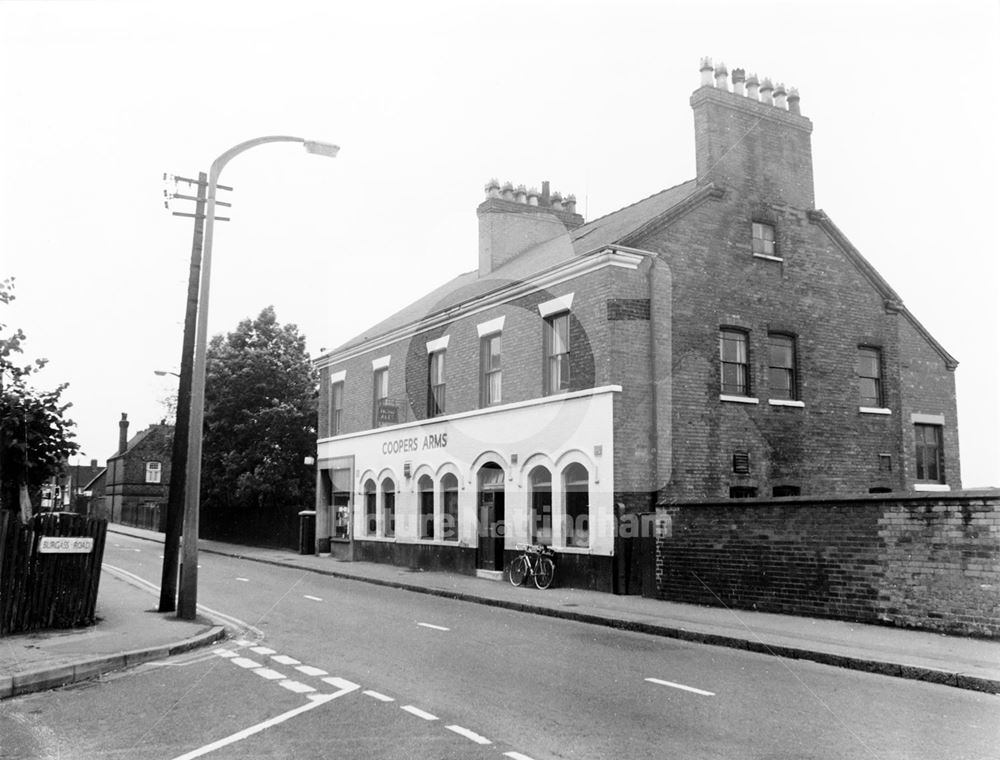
x: 490, y: 513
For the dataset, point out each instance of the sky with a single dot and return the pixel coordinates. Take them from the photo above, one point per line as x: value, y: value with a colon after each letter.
x: 428, y: 101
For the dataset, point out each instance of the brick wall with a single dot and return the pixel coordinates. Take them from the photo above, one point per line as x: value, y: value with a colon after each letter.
x: 920, y: 561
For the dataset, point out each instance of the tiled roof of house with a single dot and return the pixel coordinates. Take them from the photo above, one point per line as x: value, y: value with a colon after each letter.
x: 588, y: 238
x: 139, y: 437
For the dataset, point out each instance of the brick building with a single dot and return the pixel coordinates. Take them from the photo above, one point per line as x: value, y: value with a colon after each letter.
x: 721, y: 338
x: 137, y: 478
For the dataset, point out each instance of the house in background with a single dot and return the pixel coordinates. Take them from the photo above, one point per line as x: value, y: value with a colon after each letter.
x: 137, y: 478
x: 69, y: 492
x: 719, y: 339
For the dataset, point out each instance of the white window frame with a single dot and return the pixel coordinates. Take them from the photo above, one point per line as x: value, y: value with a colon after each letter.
x: 154, y: 472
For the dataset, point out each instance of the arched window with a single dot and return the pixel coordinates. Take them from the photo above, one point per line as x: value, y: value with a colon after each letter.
x: 449, y: 507
x: 576, y: 490
x: 425, y: 487
x: 369, y: 507
x: 388, y: 508
x: 540, y: 503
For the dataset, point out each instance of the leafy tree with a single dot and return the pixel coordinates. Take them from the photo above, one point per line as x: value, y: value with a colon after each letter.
x: 35, y: 435
x: 260, y: 421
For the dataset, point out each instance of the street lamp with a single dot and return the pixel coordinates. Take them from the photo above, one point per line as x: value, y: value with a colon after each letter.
x: 187, y: 597
x: 164, y: 372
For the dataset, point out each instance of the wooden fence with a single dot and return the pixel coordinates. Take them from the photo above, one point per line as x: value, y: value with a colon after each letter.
x: 46, y: 584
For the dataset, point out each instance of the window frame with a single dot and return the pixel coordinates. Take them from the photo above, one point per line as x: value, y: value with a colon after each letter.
x: 154, y: 472
x: 336, y: 412
x: 570, y: 536
x: 426, y: 527
x: 540, y: 497
x: 742, y: 389
x: 879, y: 398
x: 449, y: 505
x: 556, y: 365
x: 370, y: 489
x: 388, y: 507
x: 790, y: 371
x: 760, y: 245
x: 920, y: 449
x: 436, y: 391
x: 380, y: 373
x: 487, y: 371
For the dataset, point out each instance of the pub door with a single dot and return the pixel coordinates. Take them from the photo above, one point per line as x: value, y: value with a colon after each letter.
x: 490, y: 513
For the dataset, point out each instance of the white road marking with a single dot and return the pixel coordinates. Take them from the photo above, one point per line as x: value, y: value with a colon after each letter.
x: 263, y: 650
x: 315, y: 700
x: 245, y: 580
x: 224, y: 652
x: 681, y: 686
x: 309, y: 670
x: 435, y: 627
x: 516, y: 756
x: 242, y: 643
x: 469, y: 734
x: 270, y: 675
x: 298, y: 688
x: 245, y: 662
x: 419, y: 713
x: 137, y: 550
x: 284, y: 659
x: 378, y: 696
x: 341, y: 683
x: 313, y: 598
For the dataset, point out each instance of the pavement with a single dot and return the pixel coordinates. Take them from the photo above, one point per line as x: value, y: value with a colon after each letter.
x: 129, y: 630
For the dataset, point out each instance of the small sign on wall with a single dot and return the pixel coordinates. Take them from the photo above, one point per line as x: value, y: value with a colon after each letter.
x: 65, y: 545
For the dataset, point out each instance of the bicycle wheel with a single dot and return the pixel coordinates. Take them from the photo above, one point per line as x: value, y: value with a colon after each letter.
x: 518, y: 570
x: 544, y: 572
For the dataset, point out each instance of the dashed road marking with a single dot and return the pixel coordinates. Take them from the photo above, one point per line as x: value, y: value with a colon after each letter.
x: 378, y: 696
x: 242, y: 643
x: 419, y: 713
x: 516, y: 756
x: 681, y: 686
x: 244, y: 580
x: 224, y: 652
x: 298, y: 688
x: 341, y: 683
x: 312, y: 598
x: 472, y: 735
x: 263, y: 650
x: 270, y: 675
x: 245, y: 662
x: 309, y: 670
x: 284, y: 659
x: 435, y: 627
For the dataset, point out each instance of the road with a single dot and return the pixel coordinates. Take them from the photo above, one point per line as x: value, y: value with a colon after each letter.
x: 336, y: 668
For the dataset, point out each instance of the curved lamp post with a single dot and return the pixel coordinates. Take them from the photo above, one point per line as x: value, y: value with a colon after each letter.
x: 187, y: 597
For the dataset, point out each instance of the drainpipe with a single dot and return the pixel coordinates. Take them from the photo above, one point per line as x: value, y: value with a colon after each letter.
x: 654, y: 429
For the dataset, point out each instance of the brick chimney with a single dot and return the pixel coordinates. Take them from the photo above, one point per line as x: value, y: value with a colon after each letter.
x: 513, y: 220
x: 123, y: 434
x: 759, y: 147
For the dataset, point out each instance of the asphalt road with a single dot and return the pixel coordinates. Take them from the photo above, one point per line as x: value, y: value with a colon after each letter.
x: 415, y: 676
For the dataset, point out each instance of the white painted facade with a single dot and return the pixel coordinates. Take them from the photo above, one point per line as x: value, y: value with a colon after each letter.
x: 553, y: 431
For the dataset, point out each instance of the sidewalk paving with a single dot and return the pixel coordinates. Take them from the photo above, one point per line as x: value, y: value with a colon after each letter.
x: 950, y: 660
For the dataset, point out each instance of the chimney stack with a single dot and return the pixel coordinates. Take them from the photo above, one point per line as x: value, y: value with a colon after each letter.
x: 123, y: 434
x: 93, y: 463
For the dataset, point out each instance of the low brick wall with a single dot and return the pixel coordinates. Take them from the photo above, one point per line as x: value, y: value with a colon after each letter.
x: 929, y: 561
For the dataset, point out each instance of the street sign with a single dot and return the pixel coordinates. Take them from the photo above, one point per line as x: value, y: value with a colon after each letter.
x: 65, y: 545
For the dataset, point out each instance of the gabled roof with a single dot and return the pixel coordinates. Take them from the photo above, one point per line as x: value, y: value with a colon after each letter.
x: 588, y: 238
x: 138, y: 438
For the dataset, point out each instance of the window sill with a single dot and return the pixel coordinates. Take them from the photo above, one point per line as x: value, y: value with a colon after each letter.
x: 786, y: 402
x: 739, y: 399
x: 767, y: 257
x: 874, y: 410
x: 931, y: 487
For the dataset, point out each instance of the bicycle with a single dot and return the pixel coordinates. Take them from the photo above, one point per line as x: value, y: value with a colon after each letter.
x: 537, y: 561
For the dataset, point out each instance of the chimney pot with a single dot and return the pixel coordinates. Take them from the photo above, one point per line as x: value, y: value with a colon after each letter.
x: 520, y: 194
x: 793, y: 101
x: 533, y: 196
x: 706, y: 72
x: 557, y: 201
x: 493, y: 189
x: 123, y: 433
x: 93, y: 463
x: 766, y: 88
x: 543, y: 200
x: 570, y: 203
x: 722, y: 77
x: 739, y: 77
x: 507, y: 191
x: 779, y: 96
x: 752, y: 87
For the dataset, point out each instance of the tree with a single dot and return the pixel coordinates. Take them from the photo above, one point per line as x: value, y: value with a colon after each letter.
x: 35, y: 435
x: 260, y: 422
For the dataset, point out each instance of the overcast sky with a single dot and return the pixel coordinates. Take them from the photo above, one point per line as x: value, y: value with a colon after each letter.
x: 429, y: 100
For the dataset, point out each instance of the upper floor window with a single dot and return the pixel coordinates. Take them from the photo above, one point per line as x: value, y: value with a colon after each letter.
x: 870, y: 377
x: 930, y: 467
x: 763, y: 239
x: 336, y: 408
x: 556, y: 368
x: 153, y: 472
x: 435, y: 384
x: 490, y: 386
x: 380, y: 402
x: 735, y: 379
x: 781, y: 378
